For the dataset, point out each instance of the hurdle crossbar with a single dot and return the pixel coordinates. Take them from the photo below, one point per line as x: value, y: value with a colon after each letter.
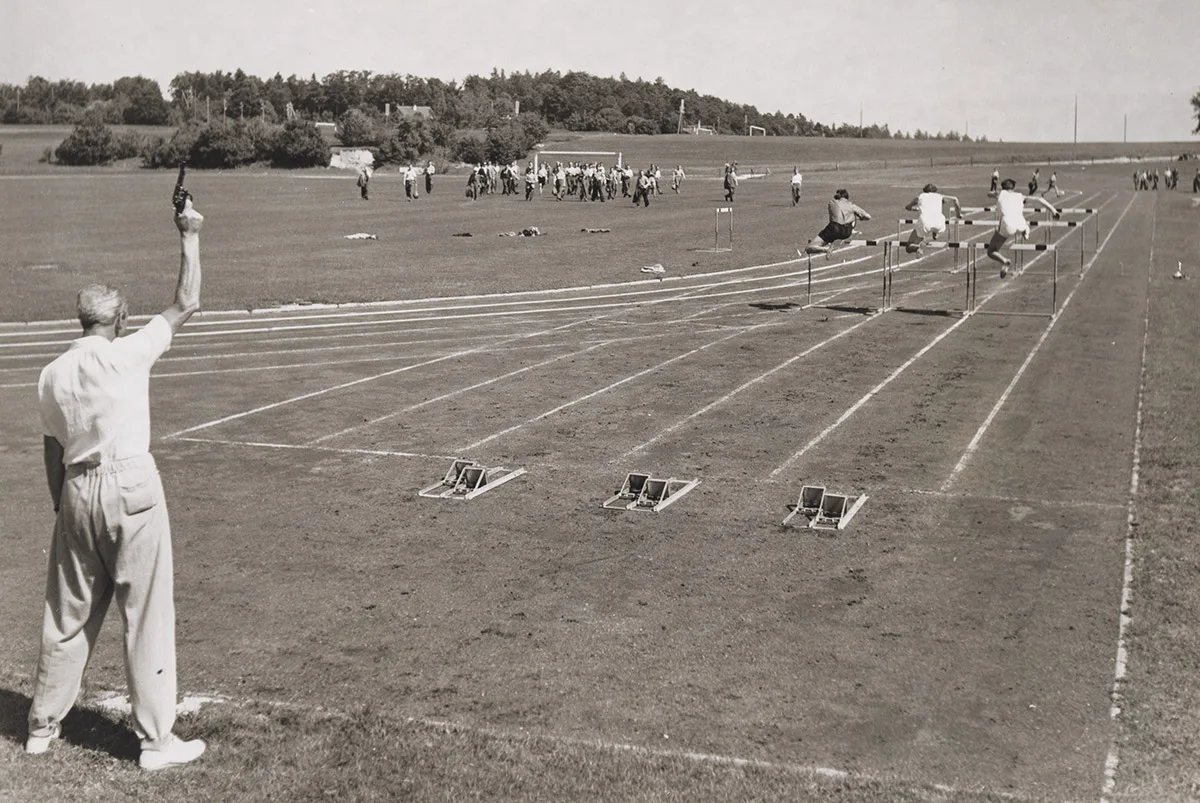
x: 1072, y: 210
x: 962, y: 245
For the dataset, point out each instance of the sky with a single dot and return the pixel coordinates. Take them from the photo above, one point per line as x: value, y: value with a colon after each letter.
x: 1012, y: 70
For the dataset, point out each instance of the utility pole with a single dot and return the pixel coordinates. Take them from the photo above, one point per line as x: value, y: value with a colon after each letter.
x: 1125, y: 136
x: 679, y: 128
x: 860, y: 128
x: 1077, y: 119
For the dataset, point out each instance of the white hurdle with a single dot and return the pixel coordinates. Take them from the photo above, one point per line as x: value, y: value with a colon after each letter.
x: 972, y: 249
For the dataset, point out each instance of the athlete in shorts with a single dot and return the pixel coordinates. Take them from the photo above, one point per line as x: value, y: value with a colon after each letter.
x: 1012, y: 221
x: 931, y: 218
x: 1053, y: 185
x: 842, y: 216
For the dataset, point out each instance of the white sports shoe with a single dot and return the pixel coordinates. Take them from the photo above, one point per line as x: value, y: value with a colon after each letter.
x: 36, y: 745
x: 175, y: 753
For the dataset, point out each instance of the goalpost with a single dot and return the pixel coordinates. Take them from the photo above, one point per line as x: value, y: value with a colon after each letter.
x: 757, y: 128
x: 537, y: 154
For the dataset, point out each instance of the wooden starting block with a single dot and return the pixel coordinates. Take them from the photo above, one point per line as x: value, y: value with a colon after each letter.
x: 825, y: 511
x: 643, y: 492
x: 467, y: 479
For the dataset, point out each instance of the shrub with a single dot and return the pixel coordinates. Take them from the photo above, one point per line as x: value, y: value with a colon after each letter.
x: 91, y: 143
x: 469, y: 149
x: 222, y: 146
x: 160, y: 152
x: 359, y: 129
x: 405, y: 143
x: 300, y: 144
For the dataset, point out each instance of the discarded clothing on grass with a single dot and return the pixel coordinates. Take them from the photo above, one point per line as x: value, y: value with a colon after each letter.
x: 462, y: 234
x: 528, y: 231
x: 361, y: 236
x: 657, y: 268
x: 595, y: 231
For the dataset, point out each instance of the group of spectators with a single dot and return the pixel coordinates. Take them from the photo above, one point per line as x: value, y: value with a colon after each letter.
x: 587, y: 181
x: 1148, y: 179
x: 412, y: 178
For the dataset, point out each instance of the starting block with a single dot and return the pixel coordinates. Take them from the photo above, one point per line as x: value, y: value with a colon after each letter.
x: 467, y: 479
x: 643, y: 492
x: 825, y: 511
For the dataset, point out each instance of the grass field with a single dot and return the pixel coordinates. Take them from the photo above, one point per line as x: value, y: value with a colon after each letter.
x: 1008, y: 617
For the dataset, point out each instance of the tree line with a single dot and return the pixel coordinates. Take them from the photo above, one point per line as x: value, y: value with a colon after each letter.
x: 575, y: 101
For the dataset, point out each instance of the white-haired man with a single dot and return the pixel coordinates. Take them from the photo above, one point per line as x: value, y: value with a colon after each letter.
x: 112, y: 536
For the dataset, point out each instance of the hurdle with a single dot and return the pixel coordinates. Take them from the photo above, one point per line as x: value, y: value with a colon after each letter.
x: 1046, y: 224
x: 720, y: 210
x: 972, y: 248
x: 886, y: 300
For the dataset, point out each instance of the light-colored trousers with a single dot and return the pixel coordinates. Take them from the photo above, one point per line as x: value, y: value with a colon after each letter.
x: 112, y: 538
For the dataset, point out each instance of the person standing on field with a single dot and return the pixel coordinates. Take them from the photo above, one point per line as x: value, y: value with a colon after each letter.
x: 112, y: 536
x: 410, y: 183
x: 797, y: 186
x: 1033, y: 181
x: 429, y: 171
x: 731, y: 181
x: 1011, y: 211
x: 364, y: 177
x: 931, y: 217
x: 995, y: 180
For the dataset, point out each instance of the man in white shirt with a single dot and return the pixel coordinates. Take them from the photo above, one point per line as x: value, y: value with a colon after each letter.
x: 931, y: 216
x: 112, y: 537
x: 797, y: 185
x: 429, y: 171
x: 1011, y: 212
x: 410, y: 183
x: 677, y: 177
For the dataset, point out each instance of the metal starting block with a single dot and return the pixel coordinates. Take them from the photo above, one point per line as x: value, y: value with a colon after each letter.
x: 467, y: 479
x: 643, y: 492
x: 825, y: 511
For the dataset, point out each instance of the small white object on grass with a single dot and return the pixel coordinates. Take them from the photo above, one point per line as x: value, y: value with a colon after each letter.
x: 361, y: 236
x: 1179, y: 271
x: 657, y: 268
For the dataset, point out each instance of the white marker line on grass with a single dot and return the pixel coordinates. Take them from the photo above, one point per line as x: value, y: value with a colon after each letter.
x: 1113, y: 760
x: 365, y: 379
x: 987, y: 422
x: 1016, y: 500
x: 683, y: 421
x: 302, y: 446
x: 443, y: 397
x: 614, y: 385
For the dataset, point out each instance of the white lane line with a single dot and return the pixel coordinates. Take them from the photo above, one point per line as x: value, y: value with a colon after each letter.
x: 300, y: 446
x: 1113, y: 760
x: 973, y: 446
x: 613, y: 385
x: 363, y: 380
x: 683, y: 421
x: 451, y: 394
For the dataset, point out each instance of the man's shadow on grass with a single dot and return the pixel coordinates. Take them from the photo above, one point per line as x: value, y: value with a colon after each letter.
x: 82, y: 727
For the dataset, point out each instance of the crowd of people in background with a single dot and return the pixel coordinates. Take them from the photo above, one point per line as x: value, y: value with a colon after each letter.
x: 1148, y: 179
x: 585, y: 181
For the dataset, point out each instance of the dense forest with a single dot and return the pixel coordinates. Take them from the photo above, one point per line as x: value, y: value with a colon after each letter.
x: 575, y: 101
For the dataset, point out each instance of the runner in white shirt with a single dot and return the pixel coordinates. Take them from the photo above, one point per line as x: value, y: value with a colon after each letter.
x: 797, y: 186
x: 1012, y: 220
x: 931, y: 216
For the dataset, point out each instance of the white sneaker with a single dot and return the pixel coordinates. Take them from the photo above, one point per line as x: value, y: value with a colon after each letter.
x: 176, y: 752
x: 1003, y: 270
x: 36, y: 745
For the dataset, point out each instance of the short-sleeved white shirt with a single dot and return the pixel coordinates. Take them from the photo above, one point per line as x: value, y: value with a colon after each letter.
x: 1012, y: 213
x: 94, y: 399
